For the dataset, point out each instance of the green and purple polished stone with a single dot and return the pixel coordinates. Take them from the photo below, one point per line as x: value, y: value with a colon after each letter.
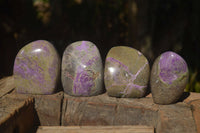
x: 82, y: 70
x: 37, y: 68
x: 169, y: 77
x: 126, y: 72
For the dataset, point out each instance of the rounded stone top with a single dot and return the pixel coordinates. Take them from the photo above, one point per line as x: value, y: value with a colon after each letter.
x: 37, y: 47
x: 81, y: 45
x: 172, y: 66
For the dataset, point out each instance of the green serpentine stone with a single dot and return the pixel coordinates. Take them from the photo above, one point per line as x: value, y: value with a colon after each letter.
x: 169, y: 77
x: 126, y: 72
x: 37, y: 68
x: 82, y: 69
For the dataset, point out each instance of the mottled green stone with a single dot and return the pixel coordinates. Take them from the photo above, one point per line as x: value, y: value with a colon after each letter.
x: 36, y: 68
x: 126, y: 72
x: 169, y: 77
x: 82, y: 69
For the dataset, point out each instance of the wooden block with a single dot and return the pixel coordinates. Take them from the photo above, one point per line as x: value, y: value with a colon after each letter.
x: 47, y: 108
x: 136, y: 112
x: 16, y: 115
x: 88, y: 111
x: 16, y: 112
x: 175, y: 118
x: 6, y: 85
x: 96, y: 129
x: 192, y: 96
x: 105, y: 110
x: 196, y: 113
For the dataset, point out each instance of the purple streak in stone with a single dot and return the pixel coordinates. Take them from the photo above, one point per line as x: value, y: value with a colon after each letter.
x: 130, y: 82
x: 83, y: 46
x: 85, y: 77
x: 114, y: 60
x: 135, y: 76
x: 51, y: 70
x: 171, y: 67
x: 36, y: 68
x: 83, y: 83
x: 130, y: 87
x: 31, y: 71
x: 169, y: 77
x: 126, y: 72
x: 92, y: 61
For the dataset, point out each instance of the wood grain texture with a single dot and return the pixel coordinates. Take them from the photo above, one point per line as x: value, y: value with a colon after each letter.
x: 6, y: 85
x: 108, y: 111
x: 16, y: 114
x: 47, y: 107
x: 96, y: 129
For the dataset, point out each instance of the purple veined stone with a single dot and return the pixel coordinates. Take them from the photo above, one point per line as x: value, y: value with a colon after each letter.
x: 37, y: 68
x: 169, y: 77
x: 82, y: 70
x: 126, y: 72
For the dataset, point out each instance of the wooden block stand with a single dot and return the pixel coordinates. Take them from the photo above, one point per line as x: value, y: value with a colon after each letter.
x: 60, y: 113
x: 95, y: 129
x: 16, y: 114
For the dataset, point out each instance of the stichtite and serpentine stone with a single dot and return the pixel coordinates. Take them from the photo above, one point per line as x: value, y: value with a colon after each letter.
x: 82, y: 69
x: 169, y: 77
x: 126, y: 72
x: 37, y: 68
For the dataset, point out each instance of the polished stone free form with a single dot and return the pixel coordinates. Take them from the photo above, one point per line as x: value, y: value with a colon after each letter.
x: 82, y: 70
x: 126, y: 72
x: 36, y: 68
x: 169, y: 77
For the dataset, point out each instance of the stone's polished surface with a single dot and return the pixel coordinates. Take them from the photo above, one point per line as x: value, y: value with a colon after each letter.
x: 126, y: 72
x: 36, y: 68
x: 82, y: 70
x: 169, y: 77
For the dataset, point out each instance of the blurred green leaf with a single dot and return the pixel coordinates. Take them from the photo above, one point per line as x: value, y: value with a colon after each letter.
x: 197, y: 87
x: 193, y: 85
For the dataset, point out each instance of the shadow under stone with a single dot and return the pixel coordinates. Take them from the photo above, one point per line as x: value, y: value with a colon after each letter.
x: 184, y: 96
x: 36, y: 122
